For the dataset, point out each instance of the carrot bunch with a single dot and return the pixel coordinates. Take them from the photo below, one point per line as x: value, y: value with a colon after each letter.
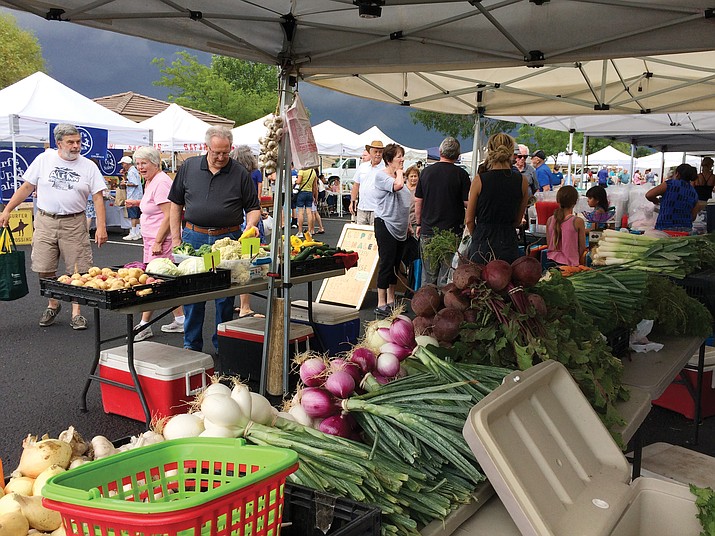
x: 567, y: 271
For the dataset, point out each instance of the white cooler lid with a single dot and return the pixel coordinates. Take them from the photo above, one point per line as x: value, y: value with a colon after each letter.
x: 155, y: 360
x: 548, y: 455
x: 323, y: 313
x: 256, y: 326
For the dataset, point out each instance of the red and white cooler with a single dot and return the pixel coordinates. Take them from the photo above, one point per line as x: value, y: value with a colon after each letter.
x: 169, y: 376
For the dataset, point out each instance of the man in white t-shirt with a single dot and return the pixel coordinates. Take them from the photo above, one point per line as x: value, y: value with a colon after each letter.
x: 364, y: 185
x: 64, y: 180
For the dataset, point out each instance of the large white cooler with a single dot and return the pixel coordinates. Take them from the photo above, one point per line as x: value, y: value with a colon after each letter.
x: 337, y: 328
x: 557, y: 470
x: 169, y: 377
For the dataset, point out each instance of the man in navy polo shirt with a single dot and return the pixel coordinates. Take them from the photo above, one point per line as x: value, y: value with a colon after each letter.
x: 543, y: 173
x: 212, y: 191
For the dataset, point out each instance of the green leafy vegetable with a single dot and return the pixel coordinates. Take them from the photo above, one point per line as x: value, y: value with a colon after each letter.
x: 203, y: 250
x: 184, y: 249
x: 705, y: 502
x: 441, y: 247
x: 674, y: 312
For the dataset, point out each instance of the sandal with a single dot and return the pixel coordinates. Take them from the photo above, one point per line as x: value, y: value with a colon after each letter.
x: 252, y: 314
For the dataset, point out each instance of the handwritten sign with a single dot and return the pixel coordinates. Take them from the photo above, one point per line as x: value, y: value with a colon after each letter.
x: 350, y: 289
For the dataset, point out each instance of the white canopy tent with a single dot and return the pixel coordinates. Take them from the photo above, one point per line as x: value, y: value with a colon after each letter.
x: 30, y: 105
x: 175, y: 129
x: 670, y: 159
x: 609, y: 156
x: 374, y: 133
x: 333, y: 139
x: 249, y: 133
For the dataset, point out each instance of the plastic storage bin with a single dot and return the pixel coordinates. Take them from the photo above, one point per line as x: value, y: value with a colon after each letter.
x: 558, y: 471
x: 677, y: 397
x: 169, y: 378
x: 240, y: 347
x: 187, y: 486
x: 311, y: 513
x: 336, y: 328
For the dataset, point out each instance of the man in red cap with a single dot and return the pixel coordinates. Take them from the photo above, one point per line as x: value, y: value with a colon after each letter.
x: 362, y: 196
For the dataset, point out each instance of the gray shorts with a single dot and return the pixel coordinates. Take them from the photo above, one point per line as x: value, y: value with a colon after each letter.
x: 365, y: 217
x: 61, y: 236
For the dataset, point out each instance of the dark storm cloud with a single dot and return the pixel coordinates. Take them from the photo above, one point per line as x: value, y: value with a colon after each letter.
x: 97, y: 63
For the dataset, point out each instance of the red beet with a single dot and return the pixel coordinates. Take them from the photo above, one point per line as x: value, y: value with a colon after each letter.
x: 466, y: 274
x: 526, y: 271
x: 446, y: 324
x: 536, y: 301
x: 448, y: 288
x: 497, y: 274
x: 426, y: 301
x: 423, y: 325
x: 455, y: 300
x: 470, y: 315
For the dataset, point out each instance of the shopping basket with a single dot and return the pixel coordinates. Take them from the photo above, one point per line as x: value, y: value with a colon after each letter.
x: 184, y: 487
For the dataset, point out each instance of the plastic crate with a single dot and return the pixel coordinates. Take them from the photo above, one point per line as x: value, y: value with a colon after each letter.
x: 315, y: 266
x: 187, y: 285
x: 189, y: 487
x: 311, y: 513
x: 109, y: 299
x: 701, y: 286
x: 620, y: 341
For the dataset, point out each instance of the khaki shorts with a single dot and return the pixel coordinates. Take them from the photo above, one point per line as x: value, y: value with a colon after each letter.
x: 61, y: 236
x: 365, y: 217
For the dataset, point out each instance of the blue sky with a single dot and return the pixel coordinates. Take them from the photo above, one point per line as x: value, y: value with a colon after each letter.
x: 97, y: 63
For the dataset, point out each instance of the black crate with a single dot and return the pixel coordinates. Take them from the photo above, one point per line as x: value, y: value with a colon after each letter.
x: 108, y: 299
x: 315, y: 266
x: 187, y: 285
x: 619, y: 341
x: 335, y: 515
x: 701, y: 286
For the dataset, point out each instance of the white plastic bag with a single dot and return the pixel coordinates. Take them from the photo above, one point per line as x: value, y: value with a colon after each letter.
x: 639, y: 338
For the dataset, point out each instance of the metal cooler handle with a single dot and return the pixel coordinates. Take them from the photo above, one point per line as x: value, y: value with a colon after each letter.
x: 187, y: 377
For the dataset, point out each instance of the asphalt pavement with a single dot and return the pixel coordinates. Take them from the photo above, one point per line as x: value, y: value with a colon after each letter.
x: 43, y: 370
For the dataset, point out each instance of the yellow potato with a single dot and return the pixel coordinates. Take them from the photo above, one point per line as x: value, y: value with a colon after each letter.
x: 94, y: 271
x: 123, y: 272
x: 143, y: 278
x: 77, y: 283
x: 75, y: 276
x: 106, y: 271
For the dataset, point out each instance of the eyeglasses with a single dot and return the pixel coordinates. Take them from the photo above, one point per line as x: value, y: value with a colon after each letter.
x: 520, y: 156
x: 219, y: 154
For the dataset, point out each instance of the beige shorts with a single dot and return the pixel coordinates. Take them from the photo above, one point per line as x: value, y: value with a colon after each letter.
x: 61, y: 236
x: 365, y: 217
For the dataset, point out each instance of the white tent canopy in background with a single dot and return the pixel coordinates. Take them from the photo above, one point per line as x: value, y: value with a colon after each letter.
x: 374, y: 133
x: 175, y: 129
x: 609, y: 156
x: 672, y: 159
x: 333, y: 139
x: 29, y: 106
x: 249, y: 133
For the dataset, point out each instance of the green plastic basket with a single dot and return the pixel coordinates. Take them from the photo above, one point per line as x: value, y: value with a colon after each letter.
x: 169, y: 476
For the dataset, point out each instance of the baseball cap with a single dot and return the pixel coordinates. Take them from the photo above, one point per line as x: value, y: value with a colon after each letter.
x: 539, y: 154
x: 126, y: 160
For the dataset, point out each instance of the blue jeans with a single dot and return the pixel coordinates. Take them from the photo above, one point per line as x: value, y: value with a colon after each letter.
x: 195, y: 313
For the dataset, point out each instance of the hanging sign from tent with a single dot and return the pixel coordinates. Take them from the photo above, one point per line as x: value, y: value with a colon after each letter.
x: 94, y: 141
x: 25, y: 156
x: 109, y: 165
x: 303, y: 149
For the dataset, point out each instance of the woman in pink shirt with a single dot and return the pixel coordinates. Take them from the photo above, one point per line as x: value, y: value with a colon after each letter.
x: 155, y: 228
x: 565, y: 232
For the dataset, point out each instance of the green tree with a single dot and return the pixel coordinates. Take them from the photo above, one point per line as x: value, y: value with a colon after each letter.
x: 20, y: 52
x: 459, y: 126
x: 232, y: 88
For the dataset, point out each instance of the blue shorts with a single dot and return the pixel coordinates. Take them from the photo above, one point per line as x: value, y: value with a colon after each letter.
x: 305, y: 200
x: 133, y: 213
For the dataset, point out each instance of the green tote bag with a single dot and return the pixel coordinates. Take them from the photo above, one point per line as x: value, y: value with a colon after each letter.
x: 13, y: 280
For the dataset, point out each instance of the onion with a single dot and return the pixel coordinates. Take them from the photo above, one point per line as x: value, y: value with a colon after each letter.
x: 183, y: 425
x: 312, y: 371
x: 220, y: 431
x: 223, y: 411
x: 318, y: 403
x: 351, y: 368
x: 43, y: 477
x: 403, y: 332
x: 242, y: 395
x: 385, y: 334
x: 39, y: 517
x: 382, y: 380
x: 261, y: 409
x: 217, y: 389
x: 372, y: 339
x: 14, y: 522
x: 337, y: 425
x: 388, y: 365
x: 426, y: 340
x: 39, y: 455
x: 398, y: 351
x: 22, y: 485
x: 340, y: 383
x: 364, y: 358
x: 300, y: 416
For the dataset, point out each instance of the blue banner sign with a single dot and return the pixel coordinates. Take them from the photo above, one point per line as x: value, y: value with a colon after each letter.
x: 109, y: 165
x: 94, y: 141
x: 25, y: 156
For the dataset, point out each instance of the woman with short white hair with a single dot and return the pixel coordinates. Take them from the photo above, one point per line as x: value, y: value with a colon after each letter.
x: 155, y: 228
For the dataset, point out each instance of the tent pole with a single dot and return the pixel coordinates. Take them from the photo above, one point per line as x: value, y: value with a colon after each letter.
x: 633, y: 158
x: 569, y: 178
x: 583, y: 159
x: 14, y: 152
x: 280, y: 202
x: 476, y: 144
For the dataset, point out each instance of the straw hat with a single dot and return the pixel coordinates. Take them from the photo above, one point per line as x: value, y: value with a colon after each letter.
x: 376, y: 144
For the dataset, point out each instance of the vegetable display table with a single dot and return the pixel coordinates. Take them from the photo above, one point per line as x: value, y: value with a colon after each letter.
x: 169, y: 305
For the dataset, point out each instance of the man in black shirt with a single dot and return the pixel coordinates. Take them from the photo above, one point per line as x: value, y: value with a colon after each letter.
x: 440, y: 199
x: 212, y: 191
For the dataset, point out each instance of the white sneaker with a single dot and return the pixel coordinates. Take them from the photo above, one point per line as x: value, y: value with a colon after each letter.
x: 130, y: 236
x: 137, y: 236
x: 174, y: 327
x: 143, y: 334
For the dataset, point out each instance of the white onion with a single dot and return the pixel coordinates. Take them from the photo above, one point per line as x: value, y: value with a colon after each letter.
x: 217, y: 389
x: 242, y: 395
x: 183, y: 425
x: 300, y: 416
x: 219, y: 431
x: 261, y: 409
x: 223, y: 411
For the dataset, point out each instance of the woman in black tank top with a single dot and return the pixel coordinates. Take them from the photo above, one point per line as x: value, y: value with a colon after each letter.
x: 497, y: 202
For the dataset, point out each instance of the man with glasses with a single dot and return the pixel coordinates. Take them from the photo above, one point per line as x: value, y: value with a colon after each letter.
x: 520, y: 165
x: 64, y: 180
x: 212, y: 192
